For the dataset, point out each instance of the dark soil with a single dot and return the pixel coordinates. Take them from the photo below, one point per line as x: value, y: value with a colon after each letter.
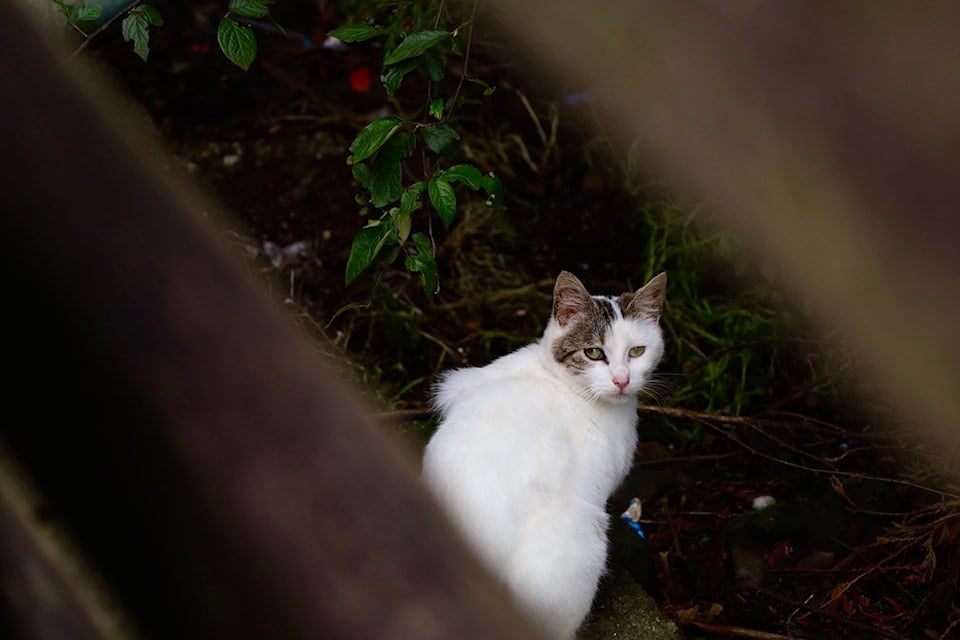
x: 825, y: 561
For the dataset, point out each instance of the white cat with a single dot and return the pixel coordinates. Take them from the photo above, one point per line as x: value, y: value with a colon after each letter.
x: 531, y: 446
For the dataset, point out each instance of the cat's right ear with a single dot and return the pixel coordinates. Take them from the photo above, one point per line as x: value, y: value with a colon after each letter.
x: 570, y: 297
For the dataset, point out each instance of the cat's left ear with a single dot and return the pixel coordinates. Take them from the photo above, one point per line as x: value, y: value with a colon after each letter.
x: 647, y: 302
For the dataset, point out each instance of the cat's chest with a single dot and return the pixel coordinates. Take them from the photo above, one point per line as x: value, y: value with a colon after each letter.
x: 601, y: 445
x: 567, y: 446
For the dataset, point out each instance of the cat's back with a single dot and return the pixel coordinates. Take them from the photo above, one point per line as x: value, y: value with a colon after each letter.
x: 518, y: 374
x: 503, y: 419
x: 501, y: 447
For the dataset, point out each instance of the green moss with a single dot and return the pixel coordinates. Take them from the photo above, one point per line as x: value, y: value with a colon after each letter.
x: 626, y: 612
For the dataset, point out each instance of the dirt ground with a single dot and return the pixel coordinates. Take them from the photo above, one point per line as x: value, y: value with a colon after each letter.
x: 850, y: 547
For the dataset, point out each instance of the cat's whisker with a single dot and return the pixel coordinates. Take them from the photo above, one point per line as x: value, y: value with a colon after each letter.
x: 589, y: 396
x: 653, y: 396
x: 658, y: 388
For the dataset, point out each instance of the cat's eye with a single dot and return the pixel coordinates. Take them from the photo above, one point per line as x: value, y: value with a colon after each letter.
x: 636, y: 352
x: 594, y: 353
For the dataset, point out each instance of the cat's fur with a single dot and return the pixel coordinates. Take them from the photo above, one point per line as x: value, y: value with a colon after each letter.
x: 531, y: 446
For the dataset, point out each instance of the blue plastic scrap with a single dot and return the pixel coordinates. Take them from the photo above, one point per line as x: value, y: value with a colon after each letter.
x: 632, y: 517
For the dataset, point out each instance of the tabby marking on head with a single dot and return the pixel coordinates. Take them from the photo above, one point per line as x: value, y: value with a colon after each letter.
x: 603, y: 328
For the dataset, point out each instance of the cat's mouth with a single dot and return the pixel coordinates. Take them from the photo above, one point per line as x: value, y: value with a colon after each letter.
x: 621, y: 395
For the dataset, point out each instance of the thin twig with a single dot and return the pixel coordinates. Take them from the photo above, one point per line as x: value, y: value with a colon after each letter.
x: 779, y: 442
x: 710, y: 420
x: 682, y: 459
x: 106, y: 25
x: 523, y: 151
x: 466, y: 55
x: 948, y: 633
x: 404, y: 415
x: 821, y: 611
x: 533, y: 116
x: 740, y: 632
x: 436, y: 23
x: 440, y: 343
x: 841, y: 589
x: 691, y: 414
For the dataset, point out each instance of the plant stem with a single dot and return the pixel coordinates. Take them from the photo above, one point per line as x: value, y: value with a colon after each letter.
x: 466, y: 55
x: 436, y: 23
x: 133, y: 5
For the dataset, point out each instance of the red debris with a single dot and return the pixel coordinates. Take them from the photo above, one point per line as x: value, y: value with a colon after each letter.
x: 360, y: 79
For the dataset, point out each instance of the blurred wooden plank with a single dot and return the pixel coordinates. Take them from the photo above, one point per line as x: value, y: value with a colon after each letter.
x: 204, y: 458
x: 827, y: 134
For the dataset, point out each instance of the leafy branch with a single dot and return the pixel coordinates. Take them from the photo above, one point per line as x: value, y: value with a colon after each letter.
x: 379, y: 153
x: 235, y: 34
x: 137, y: 20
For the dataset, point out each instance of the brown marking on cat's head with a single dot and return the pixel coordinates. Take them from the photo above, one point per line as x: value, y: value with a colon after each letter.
x: 584, y: 318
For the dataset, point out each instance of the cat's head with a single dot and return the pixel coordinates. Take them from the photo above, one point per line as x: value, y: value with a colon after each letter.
x: 608, y: 345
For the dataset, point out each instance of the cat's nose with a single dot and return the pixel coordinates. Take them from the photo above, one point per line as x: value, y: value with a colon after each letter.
x: 621, y: 380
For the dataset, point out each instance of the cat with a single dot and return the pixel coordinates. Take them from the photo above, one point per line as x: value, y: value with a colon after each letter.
x: 530, y: 446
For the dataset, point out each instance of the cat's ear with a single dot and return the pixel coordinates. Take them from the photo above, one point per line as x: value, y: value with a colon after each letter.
x: 570, y: 297
x: 647, y: 302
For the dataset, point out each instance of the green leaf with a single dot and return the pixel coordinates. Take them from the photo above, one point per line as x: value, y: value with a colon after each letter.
x: 421, y: 259
x: 372, y: 137
x: 443, y: 198
x: 65, y: 9
x: 356, y: 32
x: 366, y: 245
x: 465, y: 173
x: 436, y: 108
x: 392, y: 76
x: 410, y: 200
x: 151, y: 14
x: 432, y: 64
x: 361, y: 173
x: 494, y: 187
x: 403, y: 224
x: 386, y: 180
x: 487, y: 89
x: 86, y: 12
x: 386, y: 172
x: 414, y: 45
x: 237, y: 43
x: 250, y: 8
x: 440, y: 138
x: 460, y: 40
x: 135, y: 28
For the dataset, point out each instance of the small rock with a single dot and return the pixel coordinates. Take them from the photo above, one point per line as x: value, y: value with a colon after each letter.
x: 762, y: 502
